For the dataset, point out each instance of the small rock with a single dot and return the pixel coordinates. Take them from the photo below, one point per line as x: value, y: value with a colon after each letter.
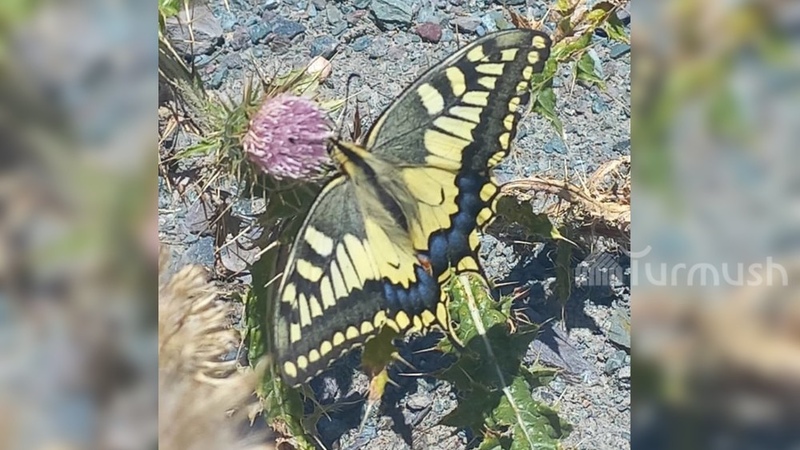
x: 510, y: 2
x: 354, y: 17
x: 339, y: 28
x: 361, y: 43
x: 311, y: 10
x: 616, y: 361
x: 427, y: 14
x: 624, y: 373
x: 467, y: 24
x: 489, y: 23
x: 618, y: 50
x: 378, y: 48
x: 599, y: 106
x: 396, y: 53
x: 447, y: 35
x: 239, y: 39
x: 287, y: 28
x: 333, y: 13
x: 554, y: 145
x: 228, y: 22
x: 418, y: 401
x: 323, y: 44
x: 362, y: 4
x: 391, y: 13
x: 456, y: 2
x: 270, y: 4
x: 429, y: 32
x: 218, y: 77
x: 258, y: 32
x: 619, y: 332
x: 206, y: 36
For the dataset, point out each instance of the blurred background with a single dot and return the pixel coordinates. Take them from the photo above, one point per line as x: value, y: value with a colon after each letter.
x: 78, y: 230
x: 715, y: 131
x: 716, y: 224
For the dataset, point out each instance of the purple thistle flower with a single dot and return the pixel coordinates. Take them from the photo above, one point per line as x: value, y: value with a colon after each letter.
x: 287, y: 137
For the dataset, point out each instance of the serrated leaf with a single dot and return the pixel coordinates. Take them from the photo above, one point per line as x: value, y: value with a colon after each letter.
x: 535, y: 425
x: 544, y: 103
x: 585, y: 70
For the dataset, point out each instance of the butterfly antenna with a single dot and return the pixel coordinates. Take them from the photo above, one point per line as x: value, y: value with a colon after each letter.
x: 340, y: 120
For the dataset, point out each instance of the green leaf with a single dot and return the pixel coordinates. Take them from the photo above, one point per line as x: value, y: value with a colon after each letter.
x: 615, y: 29
x: 587, y: 71
x: 521, y: 215
x: 544, y: 103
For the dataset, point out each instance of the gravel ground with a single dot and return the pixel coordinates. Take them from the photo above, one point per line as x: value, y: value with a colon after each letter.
x: 388, y: 43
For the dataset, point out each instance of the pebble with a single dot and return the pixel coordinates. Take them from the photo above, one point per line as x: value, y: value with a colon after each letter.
x: 466, y: 24
x: 489, y: 22
x: 418, y: 401
x: 228, y: 22
x: 239, y: 39
x: 554, y: 145
x: 624, y: 373
x: 361, y: 4
x: 391, y: 13
x: 378, y: 48
x: 618, y: 50
x: 270, y: 4
x: 287, y: 28
x: 361, y: 43
x: 599, y: 106
x: 429, y: 32
x: 333, y: 13
x: 427, y: 14
x: 322, y: 44
x: 311, y: 10
x: 616, y: 361
x: 339, y: 28
x: 258, y: 32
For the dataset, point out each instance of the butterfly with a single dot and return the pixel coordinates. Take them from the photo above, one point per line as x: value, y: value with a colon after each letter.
x: 404, y: 209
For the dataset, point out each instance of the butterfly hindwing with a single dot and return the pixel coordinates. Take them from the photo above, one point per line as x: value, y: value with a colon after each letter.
x: 381, y: 238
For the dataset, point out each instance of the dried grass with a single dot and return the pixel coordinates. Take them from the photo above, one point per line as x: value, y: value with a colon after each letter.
x: 601, y: 206
x: 202, y: 399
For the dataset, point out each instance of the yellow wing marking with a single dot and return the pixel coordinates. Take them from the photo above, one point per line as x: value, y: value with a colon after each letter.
x: 326, y: 292
x: 538, y: 43
x: 305, y: 314
x: 393, y: 262
x: 290, y: 369
x: 488, y: 82
x: 363, y: 261
x: 294, y: 333
x: 308, y: 271
x: 445, y: 150
x: 471, y: 113
x: 457, y: 127
x: 436, y: 191
x: 476, y: 54
x: 351, y: 280
x: 504, y: 139
x: 302, y: 362
x: 477, y: 98
x: 316, y: 308
x: 508, y: 54
x: 338, y: 281
x: 431, y: 99
x: 508, y: 122
x: 313, y: 355
x: 318, y: 241
x: 490, y: 68
x: 513, y: 104
x: 325, y: 347
x: 527, y: 72
x: 457, y: 80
